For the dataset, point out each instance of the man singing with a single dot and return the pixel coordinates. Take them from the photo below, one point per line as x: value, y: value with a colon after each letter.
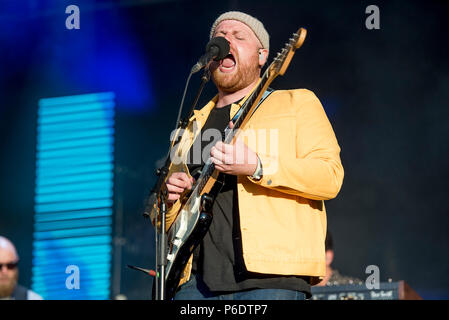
x: 266, y: 240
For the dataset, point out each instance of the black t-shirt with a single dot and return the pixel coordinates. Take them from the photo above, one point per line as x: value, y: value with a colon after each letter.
x: 219, y: 257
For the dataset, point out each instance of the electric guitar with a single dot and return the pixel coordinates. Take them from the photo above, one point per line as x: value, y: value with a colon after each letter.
x: 195, y: 215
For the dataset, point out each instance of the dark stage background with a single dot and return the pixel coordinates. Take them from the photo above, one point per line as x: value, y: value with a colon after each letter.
x: 385, y: 91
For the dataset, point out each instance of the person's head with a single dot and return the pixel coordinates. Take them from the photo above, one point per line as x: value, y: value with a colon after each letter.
x: 249, y: 48
x: 9, y: 273
x: 329, y: 246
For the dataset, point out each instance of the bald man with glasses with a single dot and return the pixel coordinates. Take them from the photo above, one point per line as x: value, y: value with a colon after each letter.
x: 9, y: 274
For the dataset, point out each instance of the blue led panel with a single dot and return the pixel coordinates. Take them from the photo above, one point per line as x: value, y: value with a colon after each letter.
x: 74, y: 197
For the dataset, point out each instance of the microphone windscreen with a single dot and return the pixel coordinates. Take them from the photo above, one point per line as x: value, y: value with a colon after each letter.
x: 223, y: 47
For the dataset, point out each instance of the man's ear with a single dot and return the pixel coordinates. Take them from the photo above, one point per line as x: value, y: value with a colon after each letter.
x: 263, y: 56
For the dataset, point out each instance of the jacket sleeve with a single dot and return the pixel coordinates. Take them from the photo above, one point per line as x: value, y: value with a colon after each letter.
x: 170, y: 216
x: 314, y: 171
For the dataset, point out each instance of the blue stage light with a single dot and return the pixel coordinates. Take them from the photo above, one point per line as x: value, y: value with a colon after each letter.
x: 74, y: 195
x: 73, y: 223
x: 56, y: 216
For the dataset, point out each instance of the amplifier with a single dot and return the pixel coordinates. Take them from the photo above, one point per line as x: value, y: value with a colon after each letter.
x: 387, y: 291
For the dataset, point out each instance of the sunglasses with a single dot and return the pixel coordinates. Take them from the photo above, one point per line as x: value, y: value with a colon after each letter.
x: 9, y: 265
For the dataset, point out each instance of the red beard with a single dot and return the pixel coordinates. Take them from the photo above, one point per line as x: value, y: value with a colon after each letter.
x: 239, y: 79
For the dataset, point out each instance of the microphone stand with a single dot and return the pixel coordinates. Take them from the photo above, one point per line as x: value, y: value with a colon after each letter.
x: 159, y: 198
x: 204, y: 79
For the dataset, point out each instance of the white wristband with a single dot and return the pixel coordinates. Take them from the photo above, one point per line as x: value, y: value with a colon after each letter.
x: 257, y: 175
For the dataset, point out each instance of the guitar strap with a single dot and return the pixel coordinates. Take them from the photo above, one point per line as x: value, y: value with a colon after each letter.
x: 264, y: 96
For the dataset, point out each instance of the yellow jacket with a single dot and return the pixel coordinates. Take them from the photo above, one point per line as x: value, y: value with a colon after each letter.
x: 282, y: 216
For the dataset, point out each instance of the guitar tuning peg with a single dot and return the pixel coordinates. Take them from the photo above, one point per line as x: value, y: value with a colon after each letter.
x: 295, y: 34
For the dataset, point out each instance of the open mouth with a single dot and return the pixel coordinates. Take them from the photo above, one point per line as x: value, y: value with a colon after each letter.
x: 228, y: 63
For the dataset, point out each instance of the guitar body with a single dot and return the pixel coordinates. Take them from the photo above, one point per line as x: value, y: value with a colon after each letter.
x: 187, y: 232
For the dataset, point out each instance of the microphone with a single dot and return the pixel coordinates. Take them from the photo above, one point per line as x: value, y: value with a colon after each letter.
x: 216, y: 49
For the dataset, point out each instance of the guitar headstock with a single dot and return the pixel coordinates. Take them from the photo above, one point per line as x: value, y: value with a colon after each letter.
x: 283, y: 58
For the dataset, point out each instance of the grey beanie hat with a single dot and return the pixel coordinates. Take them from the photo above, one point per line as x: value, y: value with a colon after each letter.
x: 253, y: 23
